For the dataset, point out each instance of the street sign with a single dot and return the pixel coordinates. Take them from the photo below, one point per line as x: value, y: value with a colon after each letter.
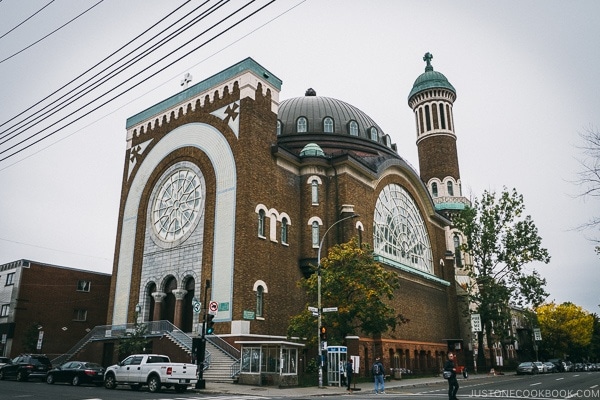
x: 329, y: 309
x: 213, y: 308
x: 313, y: 309
x: 476, y: 322
x: 196, y: 305
x: 537, y: 334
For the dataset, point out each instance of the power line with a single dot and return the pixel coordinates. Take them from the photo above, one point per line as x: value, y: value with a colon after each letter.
x: 51, y: 33
x: 135, y: 85
x: 26, y: 19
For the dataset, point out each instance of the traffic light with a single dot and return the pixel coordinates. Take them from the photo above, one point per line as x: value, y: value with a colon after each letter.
x: 210, y: 324
x: 323, y: 333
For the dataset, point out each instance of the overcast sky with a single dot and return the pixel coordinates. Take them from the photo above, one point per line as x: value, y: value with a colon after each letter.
x: 525, y: 73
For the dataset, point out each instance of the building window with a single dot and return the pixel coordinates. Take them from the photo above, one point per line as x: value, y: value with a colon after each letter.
x: 450, y: 188
x: 315, y: 234
x: 10, y: 279
x: 434, y: 189
x: 284, y: 231
x: 421, y: 120
x: 261, y: 223
x: 301, y: 125
x: 278, y: 128
x: 353, y: 128
x: 5, y: 310
x: 374, y: 134
x: 83, y: 286
x: 328, y: 125
x: 442, y: 116
x: 79, y: 315
x: 259, y: 300
x: 314, y: 186
x: 427, y: 118
x: 457, y: 254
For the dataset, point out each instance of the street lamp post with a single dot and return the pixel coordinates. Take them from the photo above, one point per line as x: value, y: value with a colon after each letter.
x: 319, y: 310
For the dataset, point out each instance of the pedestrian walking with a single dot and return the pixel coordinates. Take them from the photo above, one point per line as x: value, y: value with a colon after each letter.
x: 450, y: 367
x: 349, y: 373
x: 378, y: 373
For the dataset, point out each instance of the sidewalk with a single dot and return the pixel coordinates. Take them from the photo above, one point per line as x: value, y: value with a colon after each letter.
x: 365, y: 387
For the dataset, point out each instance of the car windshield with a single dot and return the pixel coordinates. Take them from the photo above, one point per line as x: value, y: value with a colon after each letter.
x: 92, y: 365
x: 40, y: 361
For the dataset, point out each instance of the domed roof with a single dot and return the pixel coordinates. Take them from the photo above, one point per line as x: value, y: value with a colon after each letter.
x: 312, y: 150
x: 430, y: 79
x: 316, y: 109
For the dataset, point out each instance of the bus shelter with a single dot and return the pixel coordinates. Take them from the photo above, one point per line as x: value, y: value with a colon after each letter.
x: 269, y: 363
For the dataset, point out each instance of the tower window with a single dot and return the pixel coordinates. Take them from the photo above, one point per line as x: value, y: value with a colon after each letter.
x: 449, y: 117
x: 435, y: 117
x: 442, y: 117
x: 314, y: 186
x: 353, y: 128
x: 301, y: 125
x: 261, y: 223
x: 457, y: 254
x: 427, y: 118
x: 450, y: 188
x: 421, y: 120
x: 434, y: 189
x: 328, y: 125
x: 279, y: 127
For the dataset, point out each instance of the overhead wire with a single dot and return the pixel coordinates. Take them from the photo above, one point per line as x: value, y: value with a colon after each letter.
x: 28, y: 125
x: 138, y: 83
x: 26, y: 19
x: 51, y: 33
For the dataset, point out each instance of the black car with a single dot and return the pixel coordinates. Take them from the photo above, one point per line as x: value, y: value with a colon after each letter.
x: 527, y: 368
x: 26, y: 366
x: 76, y: 373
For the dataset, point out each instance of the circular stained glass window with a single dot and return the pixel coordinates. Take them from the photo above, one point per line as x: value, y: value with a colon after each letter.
x: 399, y: 231
x: 178, y: 204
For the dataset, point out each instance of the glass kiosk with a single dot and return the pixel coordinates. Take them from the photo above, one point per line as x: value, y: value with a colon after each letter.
x: 336, y: 365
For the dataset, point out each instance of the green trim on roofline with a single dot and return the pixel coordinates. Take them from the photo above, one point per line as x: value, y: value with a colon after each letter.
x: 450, y: 206
x: 245, y: 65
x: 410, y: 270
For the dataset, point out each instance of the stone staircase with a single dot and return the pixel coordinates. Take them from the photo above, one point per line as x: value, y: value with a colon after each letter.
x: 220, y: 365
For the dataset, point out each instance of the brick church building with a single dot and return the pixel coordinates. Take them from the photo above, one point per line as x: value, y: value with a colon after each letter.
x: 228, y: 190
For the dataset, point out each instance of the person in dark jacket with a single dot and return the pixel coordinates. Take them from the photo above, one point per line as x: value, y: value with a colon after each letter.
x: 349, y: 373
x: 452, y: 381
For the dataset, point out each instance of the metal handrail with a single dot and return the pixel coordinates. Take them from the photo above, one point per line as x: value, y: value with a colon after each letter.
x: 224, y: 346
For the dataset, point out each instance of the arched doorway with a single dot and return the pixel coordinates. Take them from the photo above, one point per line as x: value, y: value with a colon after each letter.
x: 169, y: 307
x: 149, y: 301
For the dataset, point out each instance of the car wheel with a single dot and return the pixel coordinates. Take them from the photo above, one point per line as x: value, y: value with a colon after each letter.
x: 180, y: 388
x: 76, y: 381
x: 21, y: 376
x: 154, y: 384
x: 50, y: 379
x: 110, y: 382
x: 465, y: 373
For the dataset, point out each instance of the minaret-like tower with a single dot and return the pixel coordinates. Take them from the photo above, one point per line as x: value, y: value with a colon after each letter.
x: 432, y: 98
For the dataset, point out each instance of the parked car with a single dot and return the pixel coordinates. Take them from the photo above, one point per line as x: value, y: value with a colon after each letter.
x: 541, y: 367
x: 559, y: 364
x: 76, y: 373
x: 569, y: 366
x: 527, y: 367
x: 550, y: 367
x: 26, y: 366
x: 4, y: 360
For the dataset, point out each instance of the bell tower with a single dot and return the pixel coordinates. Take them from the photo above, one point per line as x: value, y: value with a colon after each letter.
x: 432, y: 99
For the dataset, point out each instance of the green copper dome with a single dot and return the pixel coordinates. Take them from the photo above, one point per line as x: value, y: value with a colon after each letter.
x: 312, y: 150
x: 430, y: 79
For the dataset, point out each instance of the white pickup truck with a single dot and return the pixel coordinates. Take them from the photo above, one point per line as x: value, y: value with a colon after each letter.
x: 154, y: 370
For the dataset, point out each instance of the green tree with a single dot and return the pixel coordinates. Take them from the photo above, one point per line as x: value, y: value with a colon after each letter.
x: 134, y: 341
x: 500, y: 243
x: 358, y: 286
x: 566, y: 329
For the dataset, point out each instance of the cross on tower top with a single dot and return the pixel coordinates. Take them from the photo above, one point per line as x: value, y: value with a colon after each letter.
x: 427, y: 58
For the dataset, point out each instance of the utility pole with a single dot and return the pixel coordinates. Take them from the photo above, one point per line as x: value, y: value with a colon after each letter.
x: 201, y: 383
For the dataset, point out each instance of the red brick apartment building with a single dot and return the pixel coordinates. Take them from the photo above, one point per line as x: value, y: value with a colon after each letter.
x: 48, y: 308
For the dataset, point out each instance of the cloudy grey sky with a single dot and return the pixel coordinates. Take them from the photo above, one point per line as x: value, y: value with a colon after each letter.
x: 525, y: 75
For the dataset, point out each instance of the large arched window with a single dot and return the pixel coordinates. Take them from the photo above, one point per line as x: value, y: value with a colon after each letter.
x: 399, y: 231
x: 301, y: 125
x: 328, y: 125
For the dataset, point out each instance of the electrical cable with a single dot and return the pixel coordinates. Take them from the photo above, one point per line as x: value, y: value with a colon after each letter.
x: 26, y: 19
x: 51, y: 33
x: 130, y: 88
